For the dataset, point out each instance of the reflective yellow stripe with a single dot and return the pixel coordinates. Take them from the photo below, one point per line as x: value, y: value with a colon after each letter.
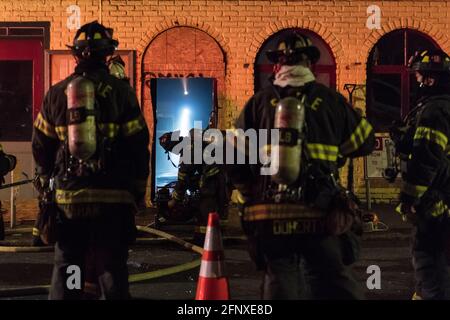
x: 1, y: 148
x: 280, y: 211
x: 36, y: 232
x: 61, y: 131
x: 211, y: 172
x: 110, y: 130
x: 416, y: 296
x: 432, y: 135
x: 46, y: 128
x: 93, y: 196
x: 322, y: 151
x: 239, y: 197
x: 176, y: 196
x: 358, y: 137
x: 200, y: 229
x: 413, y: 190
x: 134, y: 126
x: 438, y: 209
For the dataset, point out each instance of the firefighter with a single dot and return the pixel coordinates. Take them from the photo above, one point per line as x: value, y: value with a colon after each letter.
x: 116, y: 67
x: 298, y: 219
x: 422, y: 144
x: 7, y: 163
x: 42, y: 233
x: 91, y: 138
x: 208, y: 181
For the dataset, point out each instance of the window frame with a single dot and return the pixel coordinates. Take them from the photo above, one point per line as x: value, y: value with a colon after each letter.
x: 48, y: 54
x: 401, y: 70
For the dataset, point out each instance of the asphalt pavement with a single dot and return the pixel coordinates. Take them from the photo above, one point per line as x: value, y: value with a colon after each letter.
x: 389, y: 250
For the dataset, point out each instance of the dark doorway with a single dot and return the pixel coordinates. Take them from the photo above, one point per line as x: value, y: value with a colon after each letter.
x: 16, y: 99
x: 21, y: 86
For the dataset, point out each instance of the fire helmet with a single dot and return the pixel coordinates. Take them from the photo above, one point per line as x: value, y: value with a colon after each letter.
x: 94, y: 40
x: 116, y: 67
x: 290, y: 50
x: 430, y: 62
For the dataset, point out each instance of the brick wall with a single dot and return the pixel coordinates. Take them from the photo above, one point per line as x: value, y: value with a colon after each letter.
x: 240, y: 27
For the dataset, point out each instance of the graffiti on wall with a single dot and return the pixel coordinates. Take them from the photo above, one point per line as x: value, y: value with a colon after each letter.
x: 147, y: 76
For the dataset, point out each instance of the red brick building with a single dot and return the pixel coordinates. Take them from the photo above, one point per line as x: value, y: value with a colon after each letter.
x: 361, y: 44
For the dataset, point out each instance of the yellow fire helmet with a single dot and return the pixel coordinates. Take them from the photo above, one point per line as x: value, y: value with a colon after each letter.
x: 117, y: 67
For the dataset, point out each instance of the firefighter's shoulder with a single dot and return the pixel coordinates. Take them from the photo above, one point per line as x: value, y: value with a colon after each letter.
x: 317, y: 89
x: 264, y: 94
x: 436, y: 107
x: 61, y: 86
x: 121, y: 84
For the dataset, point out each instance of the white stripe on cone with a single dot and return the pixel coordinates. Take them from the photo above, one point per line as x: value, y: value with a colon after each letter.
x: 212, y: 269
x: 213, y: 239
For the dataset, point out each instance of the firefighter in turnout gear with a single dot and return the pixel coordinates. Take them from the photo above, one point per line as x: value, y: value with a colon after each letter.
x: 43, y: 230
x: 422, y: 145
x: 91, y: 138
x: 7, y: 163
x: 298, y: 219
x: 208, y: 182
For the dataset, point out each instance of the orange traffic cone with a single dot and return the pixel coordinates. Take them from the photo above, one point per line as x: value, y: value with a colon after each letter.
x: 212, y: 283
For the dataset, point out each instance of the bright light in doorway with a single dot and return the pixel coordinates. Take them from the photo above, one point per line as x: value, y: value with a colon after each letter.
x: 185, y: 121
x: 185, y: 86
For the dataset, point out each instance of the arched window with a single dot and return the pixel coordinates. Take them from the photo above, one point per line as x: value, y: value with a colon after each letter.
x: 391, y: 88
x: 324, y: 69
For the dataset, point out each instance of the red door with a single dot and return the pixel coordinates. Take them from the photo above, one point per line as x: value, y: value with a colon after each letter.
x: 21, y: 86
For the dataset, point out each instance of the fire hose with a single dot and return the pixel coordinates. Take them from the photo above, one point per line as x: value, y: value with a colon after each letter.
x: 14, y: 184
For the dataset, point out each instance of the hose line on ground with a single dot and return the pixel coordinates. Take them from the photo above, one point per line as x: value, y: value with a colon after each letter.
x: 134, y: 278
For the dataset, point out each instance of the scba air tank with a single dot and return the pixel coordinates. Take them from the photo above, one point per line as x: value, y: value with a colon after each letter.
x: 287, y: 154
x: 81, y: 126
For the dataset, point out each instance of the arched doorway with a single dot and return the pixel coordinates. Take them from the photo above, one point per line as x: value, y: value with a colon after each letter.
x: 177, y: 53
x: 181, y: 52
x: 324, y: 69
x: 391, y: 88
